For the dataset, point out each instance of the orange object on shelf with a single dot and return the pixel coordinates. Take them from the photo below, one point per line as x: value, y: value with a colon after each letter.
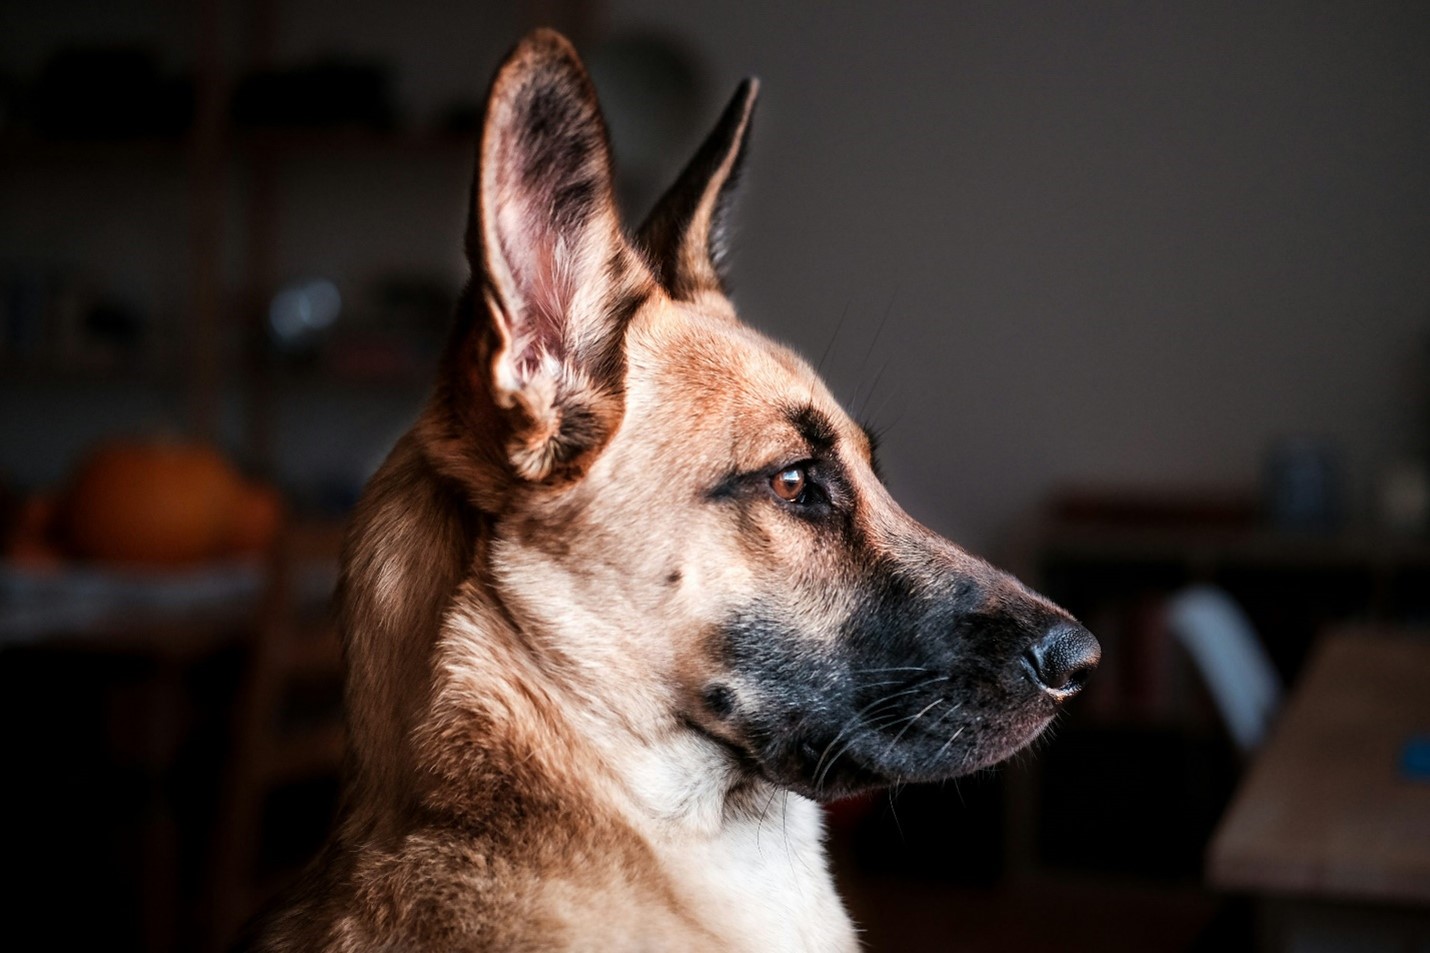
x: 255, y: 520
x: 152, y: 503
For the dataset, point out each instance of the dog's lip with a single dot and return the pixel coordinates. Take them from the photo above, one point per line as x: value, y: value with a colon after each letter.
x: 854, y: 773
x: 804, y: 767
x: 853, y: 777
x: 793, y: 762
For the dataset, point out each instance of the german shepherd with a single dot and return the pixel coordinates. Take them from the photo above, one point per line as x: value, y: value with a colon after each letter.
x: 631, y: 592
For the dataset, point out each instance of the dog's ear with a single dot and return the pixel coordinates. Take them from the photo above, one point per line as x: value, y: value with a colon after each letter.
x: 554, y: 278
x: 685, y: 235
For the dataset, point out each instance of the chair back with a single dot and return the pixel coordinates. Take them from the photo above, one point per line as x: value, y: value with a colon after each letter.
x: 1231, y: 660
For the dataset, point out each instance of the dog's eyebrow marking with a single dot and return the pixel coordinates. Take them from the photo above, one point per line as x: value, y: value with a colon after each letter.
x: 818, y: 431
x: 814, y: 427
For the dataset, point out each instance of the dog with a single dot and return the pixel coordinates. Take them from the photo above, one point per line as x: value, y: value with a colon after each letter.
x: 631, y: 592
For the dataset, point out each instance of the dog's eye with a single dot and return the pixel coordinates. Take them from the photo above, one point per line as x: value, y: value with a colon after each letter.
x: 790, y: 484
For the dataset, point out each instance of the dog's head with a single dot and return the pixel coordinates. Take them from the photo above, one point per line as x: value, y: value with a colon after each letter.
x: 685, y: 525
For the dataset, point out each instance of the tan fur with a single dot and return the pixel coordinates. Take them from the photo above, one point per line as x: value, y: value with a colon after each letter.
x: 534, y: 581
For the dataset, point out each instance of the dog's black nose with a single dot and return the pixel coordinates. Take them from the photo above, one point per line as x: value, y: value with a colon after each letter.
x: 1062, y: 659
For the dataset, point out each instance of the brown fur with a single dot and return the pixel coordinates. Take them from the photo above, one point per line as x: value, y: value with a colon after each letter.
x: 589, y: 651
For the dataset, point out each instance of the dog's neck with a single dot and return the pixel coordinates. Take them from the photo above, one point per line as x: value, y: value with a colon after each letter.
x: 428, y: 648
x: 408, y: 547
x: 596, y: 720
x: 500, y: 720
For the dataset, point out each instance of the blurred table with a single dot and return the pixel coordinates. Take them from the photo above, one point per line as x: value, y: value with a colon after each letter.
x: 139, y: 635
x: 99, y: 607
x: 1329, y: 813
x: 144, y: 634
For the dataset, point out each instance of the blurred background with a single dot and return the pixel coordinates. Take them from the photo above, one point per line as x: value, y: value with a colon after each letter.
x: 1138, y: 296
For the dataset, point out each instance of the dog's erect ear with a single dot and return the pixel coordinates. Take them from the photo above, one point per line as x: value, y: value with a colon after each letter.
x: 555, y: 279
x: 685, y: 234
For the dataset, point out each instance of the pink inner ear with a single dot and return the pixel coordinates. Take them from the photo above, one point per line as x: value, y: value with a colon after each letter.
x: 541, y: 271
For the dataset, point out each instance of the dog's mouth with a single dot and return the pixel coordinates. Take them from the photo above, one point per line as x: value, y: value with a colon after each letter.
x: 937, y: 738
x: 870, y: 758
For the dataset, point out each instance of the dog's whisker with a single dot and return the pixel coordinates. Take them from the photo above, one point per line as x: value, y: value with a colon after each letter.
x: 872, y: 417
x: 854, y: 722
x: 892, y: 681
x: 765, y: 814
x: 949, y: 742
x: 889, y: 668
x: 784, y: 830
x: 838, y: 326
x: 943, y: 718
x: 848, y: 726
x: 894, y: 813
x: 878, y: 376
x: 912, y: 689
x: 875, y: 725
x: 917, y: 686
x: 873, y: 343
x: 912, y: 721
x: 898, y: 418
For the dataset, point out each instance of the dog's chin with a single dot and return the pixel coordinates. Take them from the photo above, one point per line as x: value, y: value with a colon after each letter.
x: 827, y: 766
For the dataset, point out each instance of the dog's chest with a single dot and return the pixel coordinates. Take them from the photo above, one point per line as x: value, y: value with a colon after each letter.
x: 762, y: 883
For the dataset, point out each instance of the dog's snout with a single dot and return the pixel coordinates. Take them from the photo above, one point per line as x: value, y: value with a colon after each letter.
x: 1062, y: 659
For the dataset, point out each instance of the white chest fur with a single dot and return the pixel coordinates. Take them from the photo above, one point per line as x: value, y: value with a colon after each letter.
x: 755, y: 877
x: 762, y: 883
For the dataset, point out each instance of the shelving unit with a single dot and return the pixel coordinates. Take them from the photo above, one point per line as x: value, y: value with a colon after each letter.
x: 203, y: 351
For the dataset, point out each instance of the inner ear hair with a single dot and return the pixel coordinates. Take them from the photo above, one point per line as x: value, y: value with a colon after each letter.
x: 539, y: 368
x: 546, y: 235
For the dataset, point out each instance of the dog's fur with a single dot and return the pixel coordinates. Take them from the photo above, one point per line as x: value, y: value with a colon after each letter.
x: 630, y: 598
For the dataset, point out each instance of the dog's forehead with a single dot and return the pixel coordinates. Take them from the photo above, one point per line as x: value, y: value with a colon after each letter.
x: 736, y: 389
x: 706, y: 357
